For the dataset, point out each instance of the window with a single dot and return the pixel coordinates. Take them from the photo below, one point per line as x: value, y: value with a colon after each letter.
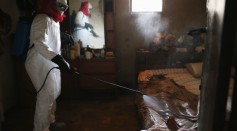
x: 146, y: 5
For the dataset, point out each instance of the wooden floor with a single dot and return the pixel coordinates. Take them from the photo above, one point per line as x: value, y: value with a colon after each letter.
x: 110, y: 114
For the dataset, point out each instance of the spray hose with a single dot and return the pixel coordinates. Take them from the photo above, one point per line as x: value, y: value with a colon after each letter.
x: 46, y: 79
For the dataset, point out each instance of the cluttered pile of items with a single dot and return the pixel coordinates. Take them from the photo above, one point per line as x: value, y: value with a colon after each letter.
x: 193, y: 40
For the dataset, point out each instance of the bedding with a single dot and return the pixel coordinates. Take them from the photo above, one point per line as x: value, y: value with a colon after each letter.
x: 171, y: 101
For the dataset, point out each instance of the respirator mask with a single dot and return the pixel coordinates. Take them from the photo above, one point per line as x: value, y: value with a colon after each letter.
x: 62, y: 5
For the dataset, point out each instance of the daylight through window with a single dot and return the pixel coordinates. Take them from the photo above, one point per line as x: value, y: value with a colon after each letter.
x: 146, y: 5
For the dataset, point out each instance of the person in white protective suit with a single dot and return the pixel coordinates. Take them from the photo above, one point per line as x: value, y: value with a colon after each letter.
x: 82, y: 27
x: 42, y: 58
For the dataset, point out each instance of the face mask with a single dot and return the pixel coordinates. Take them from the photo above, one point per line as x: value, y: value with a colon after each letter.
x: 62, y: 7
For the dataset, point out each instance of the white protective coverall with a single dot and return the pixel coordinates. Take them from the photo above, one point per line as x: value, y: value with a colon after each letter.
x: 81, y: 33
x: 45, y: 34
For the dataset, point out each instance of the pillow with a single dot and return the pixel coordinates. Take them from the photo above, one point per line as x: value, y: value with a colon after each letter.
x: 195, y: 69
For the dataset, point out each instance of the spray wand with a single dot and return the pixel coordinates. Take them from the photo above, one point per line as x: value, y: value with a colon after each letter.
x: 74, y: 71
x: 120, y: 86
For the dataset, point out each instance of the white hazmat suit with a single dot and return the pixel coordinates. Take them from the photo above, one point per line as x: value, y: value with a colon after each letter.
x: 83, y: 28
x: 46, y: 38
x: 80, y: 32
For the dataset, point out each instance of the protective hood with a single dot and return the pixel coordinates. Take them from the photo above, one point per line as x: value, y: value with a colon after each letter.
x: 62, y: 1
x: 62, y: 5
x: 50, y: 7
x: 85, y: 6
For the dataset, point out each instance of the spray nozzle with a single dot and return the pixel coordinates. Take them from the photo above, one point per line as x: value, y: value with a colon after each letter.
x: 142, y: 93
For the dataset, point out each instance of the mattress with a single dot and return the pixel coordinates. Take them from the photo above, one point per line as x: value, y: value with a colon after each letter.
x: 171, y: 101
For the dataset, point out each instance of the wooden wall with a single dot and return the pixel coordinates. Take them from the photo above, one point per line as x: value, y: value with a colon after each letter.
x: 7, y: 76
x: 218, y: 61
